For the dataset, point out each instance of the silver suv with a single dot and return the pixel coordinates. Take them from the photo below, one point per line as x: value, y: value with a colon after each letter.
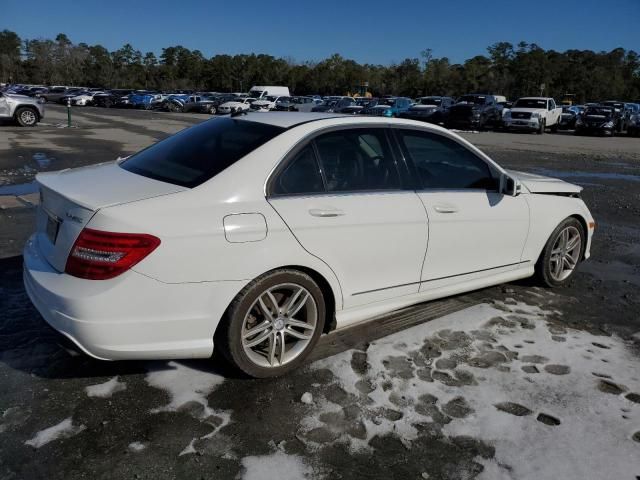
x: 27, y: 111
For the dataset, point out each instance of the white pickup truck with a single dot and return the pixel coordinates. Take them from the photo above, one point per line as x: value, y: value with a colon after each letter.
x: 533, y: 114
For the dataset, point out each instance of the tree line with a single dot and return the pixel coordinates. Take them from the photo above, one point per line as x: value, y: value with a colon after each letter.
x: 506, y: 69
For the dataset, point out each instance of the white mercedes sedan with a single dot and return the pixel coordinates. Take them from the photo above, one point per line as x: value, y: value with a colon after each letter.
x: 256, y: 233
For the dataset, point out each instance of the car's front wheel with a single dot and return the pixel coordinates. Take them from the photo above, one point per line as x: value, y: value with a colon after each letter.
x: 27, y: 117
x: 562, y: 253
x: 273, y: 324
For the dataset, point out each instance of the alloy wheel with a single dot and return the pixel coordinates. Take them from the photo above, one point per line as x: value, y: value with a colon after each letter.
x: 565, y: 253
x: 279, y: 325
x: 28, y: 117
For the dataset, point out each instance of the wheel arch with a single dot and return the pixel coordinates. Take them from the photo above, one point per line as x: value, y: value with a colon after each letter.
x: 323, y: 284
x: 19, y: 108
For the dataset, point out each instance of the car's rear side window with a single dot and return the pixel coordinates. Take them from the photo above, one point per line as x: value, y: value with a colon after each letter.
x: 199, y: 153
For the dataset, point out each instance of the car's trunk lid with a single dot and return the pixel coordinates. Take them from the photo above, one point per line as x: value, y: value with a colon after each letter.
x: 70, y: 198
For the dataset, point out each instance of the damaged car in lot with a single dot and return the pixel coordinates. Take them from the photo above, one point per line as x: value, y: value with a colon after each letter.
x: 429, y: 109
x: 474, y: 111
x: 598, y: 120
x: 255, y: 234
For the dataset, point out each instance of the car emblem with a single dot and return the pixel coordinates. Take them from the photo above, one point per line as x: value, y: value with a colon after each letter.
x: 73, y: 218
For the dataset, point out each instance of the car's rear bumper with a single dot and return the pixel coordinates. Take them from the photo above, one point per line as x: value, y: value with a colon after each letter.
x: 131, y: 316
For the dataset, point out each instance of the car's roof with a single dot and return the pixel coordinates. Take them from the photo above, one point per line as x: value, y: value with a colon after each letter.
x: 293, y: 119
x: 286, y: 119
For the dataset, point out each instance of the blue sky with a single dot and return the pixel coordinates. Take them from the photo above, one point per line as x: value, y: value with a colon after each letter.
x: 374, y: 31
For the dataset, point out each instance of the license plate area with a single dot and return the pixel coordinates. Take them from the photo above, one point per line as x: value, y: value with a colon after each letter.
x: 52, y: 228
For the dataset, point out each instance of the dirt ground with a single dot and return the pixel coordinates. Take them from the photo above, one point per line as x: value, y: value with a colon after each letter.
x: 512, y: 382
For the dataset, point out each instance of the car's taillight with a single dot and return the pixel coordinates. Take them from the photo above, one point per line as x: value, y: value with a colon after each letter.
x: 98, y: 255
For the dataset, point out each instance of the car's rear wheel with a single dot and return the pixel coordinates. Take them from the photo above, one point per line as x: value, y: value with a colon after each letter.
x: 273, y: 324
x: 212, y: 110
x: 562, y: 253
x: 26, y: 117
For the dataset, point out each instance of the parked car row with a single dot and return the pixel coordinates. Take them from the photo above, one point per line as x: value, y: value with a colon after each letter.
x: 476, y: 111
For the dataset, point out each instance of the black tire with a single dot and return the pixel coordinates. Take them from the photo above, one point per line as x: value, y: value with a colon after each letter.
x: 212, y: 110
x: 228, y: 337
x: 44, y: 99
x: 543, y: 265
x: 27, y: 117
x: 543, y: 125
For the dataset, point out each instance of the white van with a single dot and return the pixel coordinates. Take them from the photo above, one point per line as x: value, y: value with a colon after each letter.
x: 259, y: 91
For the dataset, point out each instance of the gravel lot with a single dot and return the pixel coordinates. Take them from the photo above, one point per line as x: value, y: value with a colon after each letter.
x: 510, y: 382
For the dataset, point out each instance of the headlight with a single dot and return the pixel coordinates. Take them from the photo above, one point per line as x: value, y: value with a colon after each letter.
x: 579, y: 121
x: 476, y: 114
x: 535, y: 115
x: 608, y: 125
x: 388, y: 113
x: 507, y: 116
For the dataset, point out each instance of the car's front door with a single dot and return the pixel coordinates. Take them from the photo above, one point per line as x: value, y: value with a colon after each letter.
x: 4, y: 106
x: 473, y: 228
x: 342, y: 197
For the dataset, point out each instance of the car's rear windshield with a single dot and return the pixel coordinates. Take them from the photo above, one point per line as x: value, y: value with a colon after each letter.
x: 199, y: 153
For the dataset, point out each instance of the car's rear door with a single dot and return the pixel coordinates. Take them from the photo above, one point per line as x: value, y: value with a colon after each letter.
x: 342, y: 196
x: 473, y: 228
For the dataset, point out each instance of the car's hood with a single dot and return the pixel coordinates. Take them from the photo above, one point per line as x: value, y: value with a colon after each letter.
x: 541, y: 184
x: 424, y: 107
x: 528, y: 110
x: 231, y: 104
x: 104, y: 185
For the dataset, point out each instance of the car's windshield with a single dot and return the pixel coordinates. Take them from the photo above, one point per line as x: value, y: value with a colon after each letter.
x: 530, y: 103
x: 477, y: 99
x: 430, y: 101
x: 284, y: 99
x: 271, y: 98
x: 387, y: 101
x: 255, y: 93
x: 199, y: 153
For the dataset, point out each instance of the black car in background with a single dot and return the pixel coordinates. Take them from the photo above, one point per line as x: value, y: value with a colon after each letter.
x: 429, y: 109
x: 569, y: 117
x: 53, y: 94
x: 598, y: 120
x: 621, y: 114
x: 474, y: 111
x: 334, y: 104
x: 359, y: 105
x: 112, y: 98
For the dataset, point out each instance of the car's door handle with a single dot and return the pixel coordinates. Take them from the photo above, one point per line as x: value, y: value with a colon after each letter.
x: 325, y: 212
x: 445, y: 208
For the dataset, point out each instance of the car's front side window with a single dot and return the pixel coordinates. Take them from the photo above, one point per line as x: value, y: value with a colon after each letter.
x: 442, y: 163
x: 357, y: 160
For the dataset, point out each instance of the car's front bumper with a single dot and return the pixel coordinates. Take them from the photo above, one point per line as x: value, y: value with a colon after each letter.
x: 525, y: 125
x: 131, y: 316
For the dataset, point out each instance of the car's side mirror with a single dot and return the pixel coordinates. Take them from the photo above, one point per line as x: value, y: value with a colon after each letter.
x: 510, y: 186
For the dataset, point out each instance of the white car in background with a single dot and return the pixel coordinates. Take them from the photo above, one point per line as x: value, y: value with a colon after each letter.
x: 84, y: 99
x: 237, y: 105
x: 258, y: 233
x: 533, y: 114
x: 266, y: 103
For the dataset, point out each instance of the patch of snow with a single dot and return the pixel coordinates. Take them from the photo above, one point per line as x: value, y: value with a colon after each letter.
x: 137, y: 446
x: 184, y: 384
x: 277, y: 465
x: 525, y: 447
x: 64, y: 429
x: 189, y: 385
x: 307, y: 398
x: 106, y: 389
x: 189, y: 449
